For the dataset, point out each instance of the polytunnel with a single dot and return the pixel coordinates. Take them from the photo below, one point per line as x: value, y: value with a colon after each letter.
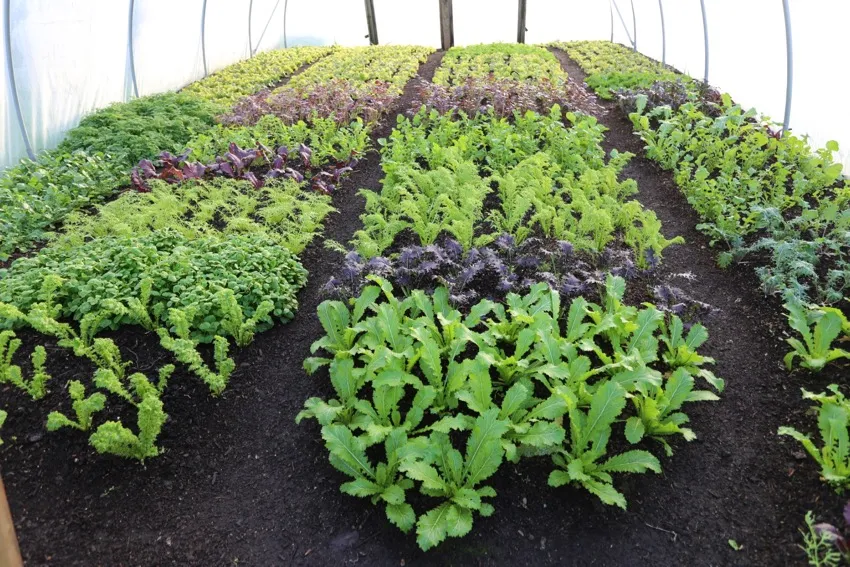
x: 289, y: 282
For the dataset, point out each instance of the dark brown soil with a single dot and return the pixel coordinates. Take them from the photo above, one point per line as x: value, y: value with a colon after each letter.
x: 240, y: 483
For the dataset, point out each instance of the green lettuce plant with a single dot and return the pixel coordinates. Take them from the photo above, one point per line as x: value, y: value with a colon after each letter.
x: 833, y: 456
x: 427, y: 399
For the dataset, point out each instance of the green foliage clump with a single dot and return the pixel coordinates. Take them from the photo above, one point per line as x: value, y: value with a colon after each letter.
x: 823, y: 544
x: 35, y: 195
x: 818, y: 327
x: 251, y: 75
x: 112, y: 437
x: 443, y: 200
x: 611, y: 67
x: 281, y: 210
x: 553, y: 181
x: 84, y: 408
x: 391, y: 64
x: 142, y: 128
x: 162, y: 270
x: 427, y: 399
x: 833, y: 411
x: 328, y: 140
x: 501, y: 61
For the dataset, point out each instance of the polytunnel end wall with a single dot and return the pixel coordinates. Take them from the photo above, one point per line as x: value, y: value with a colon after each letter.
x: 73, y: 57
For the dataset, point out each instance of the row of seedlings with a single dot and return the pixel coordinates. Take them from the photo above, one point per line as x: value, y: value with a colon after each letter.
x: 766, y: 198
x: 463, y: 336
x: 91, y: 164
x: 202, y: 250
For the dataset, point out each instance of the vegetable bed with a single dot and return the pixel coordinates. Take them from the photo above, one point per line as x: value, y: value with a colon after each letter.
x: 502, y: 334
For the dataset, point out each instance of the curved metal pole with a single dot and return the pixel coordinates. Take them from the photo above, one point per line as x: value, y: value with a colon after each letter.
x: 266, y: 28
x: 132, y: 51
x: 634, y: 26
x: 12, y: 84
x: 623, y: 21
x: 204, y: 38
x: 663, y: 34
x: 250, y: 40
x: 611, y: 10
x: 285, y: 6
x: 789, y: 56
x: 705, y: 36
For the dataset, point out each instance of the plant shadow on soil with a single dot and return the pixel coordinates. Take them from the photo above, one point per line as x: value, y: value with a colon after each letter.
x: 241, y: 483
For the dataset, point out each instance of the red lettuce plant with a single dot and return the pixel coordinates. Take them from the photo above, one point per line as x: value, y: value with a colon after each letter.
x: 338, y: 99
x: 504, y: 97
x: 237, y: 162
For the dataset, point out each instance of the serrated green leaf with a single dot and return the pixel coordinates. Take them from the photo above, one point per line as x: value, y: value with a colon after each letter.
x: 348, y: 449
x: 632, y: 462
x: 402, y: 515
x: 542, y: 434
x: 634, y: 429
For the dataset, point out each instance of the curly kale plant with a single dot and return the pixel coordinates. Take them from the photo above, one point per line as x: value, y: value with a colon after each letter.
x: 36, y: 386
x: 142, y: 128
x: 429, y: 400
x: 112, y: 437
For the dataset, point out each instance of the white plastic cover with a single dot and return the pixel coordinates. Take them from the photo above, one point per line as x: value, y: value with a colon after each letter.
x: 71, y: 56
x: 484, y: 22
x: 426, y: 14
x: 566, y: 20
x: 328, y: 22
x: 747, y: 55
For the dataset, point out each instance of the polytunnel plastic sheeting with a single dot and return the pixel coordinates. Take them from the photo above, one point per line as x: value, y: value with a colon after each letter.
x: 267, y: 25
x: 393, y: 19
x: 11, y: 141
x: 328, y: 22
x: 685, y: 41
x: 167, y: 42
x: 620, y: 17
x: 69, y: 57
x: 821, y: 74
x: 484, y: 22
x: 226, y: 33
x: 648, y: 23
x: 566, y: 20
x: 753, y: 72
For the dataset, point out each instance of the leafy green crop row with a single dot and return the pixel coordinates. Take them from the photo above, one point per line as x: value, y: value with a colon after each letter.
x: 328, y: 140
x: 142, y: 128
x: 189, y: 291
x: 552, y: 181
x: 499, y: 60
x: 263, y: 70
x: 93, y: 160
x: 183, y: 273
x: 355, y: 83
x: 429, y: 400
x: 768, y: 196
x: 35, y: 195
x: 281, y: 210
x: 765, y: 196
x: 611, y: 67
x: 390, y: 64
